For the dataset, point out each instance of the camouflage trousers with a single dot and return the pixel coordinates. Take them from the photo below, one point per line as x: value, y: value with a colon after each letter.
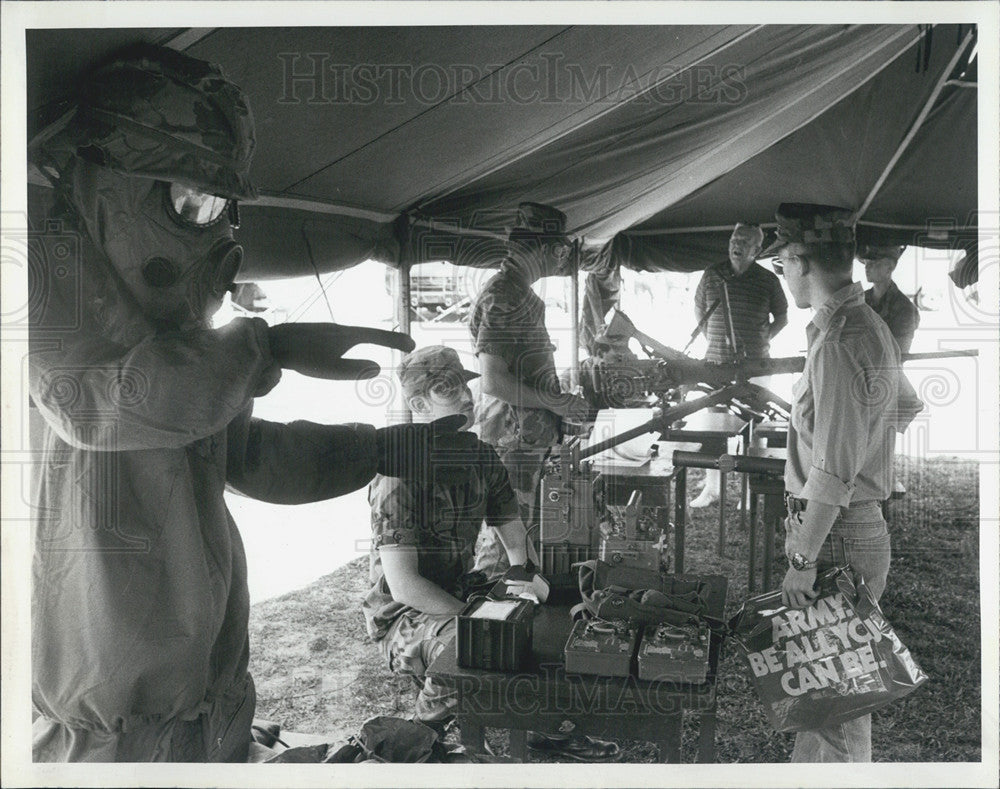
x: 410, y: 646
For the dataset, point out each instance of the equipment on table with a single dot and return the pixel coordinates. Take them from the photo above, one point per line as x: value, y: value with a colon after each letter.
x: 674, y: 653
x: 494, y: 634
x: 575, y: 500
x: 635, y: 535
x: 602, y: 647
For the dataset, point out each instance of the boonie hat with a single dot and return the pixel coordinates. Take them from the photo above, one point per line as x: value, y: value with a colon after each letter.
x: 432, y: 362
x: 809, y: 223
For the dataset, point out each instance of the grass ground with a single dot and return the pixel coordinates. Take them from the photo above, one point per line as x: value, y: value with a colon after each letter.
x: 317, y: 672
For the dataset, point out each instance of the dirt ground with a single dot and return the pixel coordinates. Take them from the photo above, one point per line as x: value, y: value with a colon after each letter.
x: 317, y: 672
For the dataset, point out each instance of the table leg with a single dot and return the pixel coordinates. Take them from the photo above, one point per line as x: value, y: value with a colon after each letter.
x: 722, y: 513
x: 670, y: 741
x: 472, y: 735
x: 744, y: 492
x: 706, y: 738
x: 752, y: 545
x: 746, y: 439
x: 519, y: 745
x: 772, y: 515
x: 680, y: 518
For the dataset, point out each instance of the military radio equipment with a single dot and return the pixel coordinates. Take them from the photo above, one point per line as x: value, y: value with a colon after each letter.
x: 674, y: 653
x: 574, y: 502
x: 599, y: 646
x: 570, y: 500
x: 635, y: 534
x: 495, y: 635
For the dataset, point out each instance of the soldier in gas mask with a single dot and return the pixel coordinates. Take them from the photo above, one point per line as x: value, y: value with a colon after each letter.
x: 139, y: 602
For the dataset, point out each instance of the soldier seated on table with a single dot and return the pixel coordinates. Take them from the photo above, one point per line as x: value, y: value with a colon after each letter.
x: 424, y: 536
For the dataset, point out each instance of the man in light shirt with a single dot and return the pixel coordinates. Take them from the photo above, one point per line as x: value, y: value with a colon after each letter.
x: 846, y: 408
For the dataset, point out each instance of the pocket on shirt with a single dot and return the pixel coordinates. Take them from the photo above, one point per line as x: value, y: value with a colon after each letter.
x: 800, y: 393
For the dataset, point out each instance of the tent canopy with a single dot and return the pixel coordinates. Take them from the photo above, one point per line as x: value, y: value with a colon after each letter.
x: 413, y: 144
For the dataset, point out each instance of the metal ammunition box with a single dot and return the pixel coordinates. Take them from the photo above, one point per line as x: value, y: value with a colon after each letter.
x: 495, y: 634
x: 670, y: 653
x: 601, y: 647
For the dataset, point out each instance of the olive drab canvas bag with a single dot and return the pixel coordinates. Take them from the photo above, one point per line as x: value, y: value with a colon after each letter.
x: 835, y: 660
x: 610, y: 591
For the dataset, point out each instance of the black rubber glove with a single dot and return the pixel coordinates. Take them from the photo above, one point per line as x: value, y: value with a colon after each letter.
x: 314, y: 349
x: 434, y: 452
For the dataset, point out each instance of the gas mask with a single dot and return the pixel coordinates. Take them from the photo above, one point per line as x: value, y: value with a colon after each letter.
x: 171, y: 245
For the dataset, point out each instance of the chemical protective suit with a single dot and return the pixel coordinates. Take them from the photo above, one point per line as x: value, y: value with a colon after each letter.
x: 139, y: 601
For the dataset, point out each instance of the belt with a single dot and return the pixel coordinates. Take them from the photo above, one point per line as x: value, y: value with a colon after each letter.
x: 794, y: 504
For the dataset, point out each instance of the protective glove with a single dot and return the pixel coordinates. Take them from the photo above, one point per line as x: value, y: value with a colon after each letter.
x: 433, y: 452
x: 315, y: 349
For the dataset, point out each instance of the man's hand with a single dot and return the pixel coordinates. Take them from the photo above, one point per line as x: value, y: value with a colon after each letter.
x: 315, y: 349
x: 434, y: 452
x: 572, y: 407
x: 798, y: 588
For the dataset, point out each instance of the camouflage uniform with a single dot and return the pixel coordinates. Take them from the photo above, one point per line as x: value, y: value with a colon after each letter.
x: 508, y: 321
x: 443, y: 522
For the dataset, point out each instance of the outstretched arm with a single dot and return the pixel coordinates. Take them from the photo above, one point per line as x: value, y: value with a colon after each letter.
x: 167, y: 391
x: 298, y: 462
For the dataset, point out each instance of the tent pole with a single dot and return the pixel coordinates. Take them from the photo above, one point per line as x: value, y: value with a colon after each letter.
x: 403, y: 321
x: 574, y: 323
x: 924, y: 112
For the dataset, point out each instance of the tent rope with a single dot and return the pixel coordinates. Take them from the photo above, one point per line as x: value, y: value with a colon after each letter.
x: 312, y: 260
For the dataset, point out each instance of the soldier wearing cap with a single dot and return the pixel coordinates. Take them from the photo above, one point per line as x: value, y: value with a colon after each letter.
x: 140, y: 604
x: 424, y: 535
x: 845, y: 409
x: 522, y: 399
x: 899, y: 313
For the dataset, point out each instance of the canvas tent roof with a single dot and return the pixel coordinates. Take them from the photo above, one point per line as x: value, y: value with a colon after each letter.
x: 417, y: 143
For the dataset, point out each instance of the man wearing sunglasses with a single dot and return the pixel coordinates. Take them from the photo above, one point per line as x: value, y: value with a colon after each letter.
x: 140, y: 604
x: 846, y: 408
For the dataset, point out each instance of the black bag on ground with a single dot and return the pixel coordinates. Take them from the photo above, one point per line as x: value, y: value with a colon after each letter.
x: 385, y: 739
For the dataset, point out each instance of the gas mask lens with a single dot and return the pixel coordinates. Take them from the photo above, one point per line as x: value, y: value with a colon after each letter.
x: 195, y: 207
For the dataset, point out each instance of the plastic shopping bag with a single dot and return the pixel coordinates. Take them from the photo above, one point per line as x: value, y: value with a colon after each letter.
x: 836, y: 660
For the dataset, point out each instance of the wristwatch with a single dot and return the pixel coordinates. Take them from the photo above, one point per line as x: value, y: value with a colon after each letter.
x: 800, y: 562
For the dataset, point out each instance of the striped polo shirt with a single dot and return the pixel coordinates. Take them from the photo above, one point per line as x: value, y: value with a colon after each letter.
x: 754, y: 296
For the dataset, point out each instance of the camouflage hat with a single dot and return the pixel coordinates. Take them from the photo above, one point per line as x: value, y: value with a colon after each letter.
x: 539, y: 219
x: 808, y: 223
x: 154, y: 112
x: 874, y: 252
x: 434, y: 362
